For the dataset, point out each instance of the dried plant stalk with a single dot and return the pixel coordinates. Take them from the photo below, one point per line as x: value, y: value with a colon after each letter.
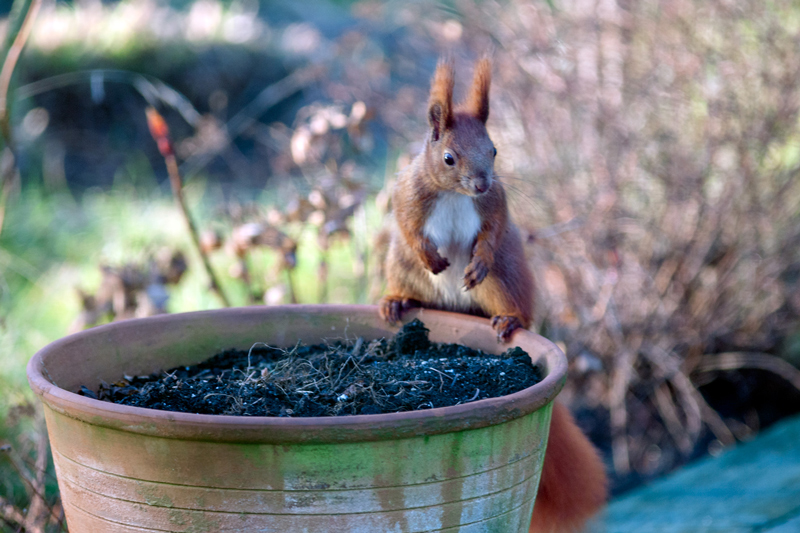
x: 8, y: 158
x: 160, y: 133
x: 740, y: 360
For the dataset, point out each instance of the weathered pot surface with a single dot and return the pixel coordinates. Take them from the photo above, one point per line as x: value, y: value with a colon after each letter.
x: 472, y: 467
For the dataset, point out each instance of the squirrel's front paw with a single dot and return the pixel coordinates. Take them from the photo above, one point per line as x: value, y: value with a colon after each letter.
x: 436, y: 263
x: 475, y: 272
x: 391, y: 307
x: 505, y: 325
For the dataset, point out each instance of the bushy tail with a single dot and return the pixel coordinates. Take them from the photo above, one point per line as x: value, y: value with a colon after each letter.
x: 574, y: 484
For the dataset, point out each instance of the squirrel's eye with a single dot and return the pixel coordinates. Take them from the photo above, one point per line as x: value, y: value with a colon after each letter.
x: 449, y: 159
x: 495, y: 152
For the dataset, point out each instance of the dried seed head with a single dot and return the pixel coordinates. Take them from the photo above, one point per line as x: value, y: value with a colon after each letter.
x: 160, y: 131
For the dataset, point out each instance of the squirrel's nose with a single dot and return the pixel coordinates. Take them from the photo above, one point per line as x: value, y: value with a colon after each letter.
x: 481, y: 183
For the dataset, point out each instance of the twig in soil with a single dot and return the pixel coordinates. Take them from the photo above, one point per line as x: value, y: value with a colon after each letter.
x: 212, y: 394
x: 357, y: 346
x: 454, y: 378
x: 160, y: 132
x: 475, y: 396
x: 250, y: 352
x: 441, y: 379
x: 341, y: 368
x: 414, y: 383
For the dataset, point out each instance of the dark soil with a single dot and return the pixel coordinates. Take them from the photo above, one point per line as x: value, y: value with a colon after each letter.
x: 405, y: 373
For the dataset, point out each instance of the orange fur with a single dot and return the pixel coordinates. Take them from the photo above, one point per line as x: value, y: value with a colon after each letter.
x: 440, y: 106
x: 478, y: 98
x: 450, y: 212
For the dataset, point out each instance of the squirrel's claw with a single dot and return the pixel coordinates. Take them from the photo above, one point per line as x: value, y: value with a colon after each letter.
x: 391, y: 308
x: 475, y: 273
x: 505, y: 325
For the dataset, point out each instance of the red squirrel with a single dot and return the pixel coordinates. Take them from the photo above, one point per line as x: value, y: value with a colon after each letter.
x: 454, y: 247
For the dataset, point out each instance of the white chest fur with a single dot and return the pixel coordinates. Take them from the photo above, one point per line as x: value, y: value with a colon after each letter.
x: 452, y: 226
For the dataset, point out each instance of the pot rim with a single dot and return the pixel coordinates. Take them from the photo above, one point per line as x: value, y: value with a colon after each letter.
x: 285, y: 430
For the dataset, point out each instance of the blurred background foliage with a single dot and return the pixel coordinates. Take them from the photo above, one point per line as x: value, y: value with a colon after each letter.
x: 651, y: 151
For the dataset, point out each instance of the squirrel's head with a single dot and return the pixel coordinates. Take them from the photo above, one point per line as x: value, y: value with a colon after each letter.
x: 459, y: 153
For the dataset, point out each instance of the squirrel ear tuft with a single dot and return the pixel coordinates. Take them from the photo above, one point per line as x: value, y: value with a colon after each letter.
x: 440, y: 106
x: 478, y: 98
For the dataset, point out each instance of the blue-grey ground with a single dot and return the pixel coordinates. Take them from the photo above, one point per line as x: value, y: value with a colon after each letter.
x: 754, y: 487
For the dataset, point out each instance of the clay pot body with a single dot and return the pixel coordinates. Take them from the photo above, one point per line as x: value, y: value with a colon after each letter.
x: 468, y: 468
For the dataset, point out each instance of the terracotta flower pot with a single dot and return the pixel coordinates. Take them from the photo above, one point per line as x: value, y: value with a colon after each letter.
x: 467, y: 468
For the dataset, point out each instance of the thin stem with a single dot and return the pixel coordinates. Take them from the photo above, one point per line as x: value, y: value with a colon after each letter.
x: 9, y: 170
x: 10, y: 63
x: 177, y: 190
x: 740, y: 360
x: 292, y: 292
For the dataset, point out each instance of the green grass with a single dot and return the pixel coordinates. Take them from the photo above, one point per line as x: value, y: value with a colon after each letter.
x: 51, y: 245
